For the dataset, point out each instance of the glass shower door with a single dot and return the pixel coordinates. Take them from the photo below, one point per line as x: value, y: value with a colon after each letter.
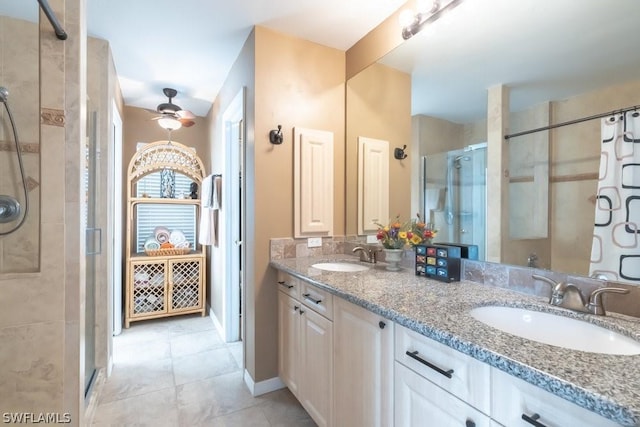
x: 93, y: 243
x: 454, y: 196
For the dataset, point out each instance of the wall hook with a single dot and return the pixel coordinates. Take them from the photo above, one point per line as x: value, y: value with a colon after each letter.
x: 399, y: 153
x: 275, y: 136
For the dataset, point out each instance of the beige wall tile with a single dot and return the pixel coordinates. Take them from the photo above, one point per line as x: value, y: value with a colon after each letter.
x: 32, y: 372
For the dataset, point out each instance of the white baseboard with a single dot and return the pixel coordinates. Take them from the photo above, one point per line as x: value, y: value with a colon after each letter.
x: 262, y: 387
x: 218, y: 325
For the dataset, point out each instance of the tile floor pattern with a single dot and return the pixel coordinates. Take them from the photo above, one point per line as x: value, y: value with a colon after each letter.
x: 178, y: 372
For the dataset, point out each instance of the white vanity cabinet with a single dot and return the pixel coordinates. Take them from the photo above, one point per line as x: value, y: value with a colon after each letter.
x: 419, y: 402
x: 305, y: 359
x: 437, y: 383
x: 363, y: 367
x: 513, y: 400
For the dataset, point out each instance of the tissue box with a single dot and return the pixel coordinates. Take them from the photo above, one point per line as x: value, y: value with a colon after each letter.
x: 440, y: 262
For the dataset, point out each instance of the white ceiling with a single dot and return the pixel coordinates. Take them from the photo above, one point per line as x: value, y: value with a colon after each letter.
x: 190, y: 45
x: 543, y: 50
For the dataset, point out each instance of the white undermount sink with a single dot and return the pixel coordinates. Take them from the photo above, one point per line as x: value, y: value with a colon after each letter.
x: 347, y: 267
x: 556, y: 330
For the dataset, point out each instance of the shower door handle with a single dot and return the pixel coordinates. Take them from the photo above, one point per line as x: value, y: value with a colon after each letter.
x: 90, y: 241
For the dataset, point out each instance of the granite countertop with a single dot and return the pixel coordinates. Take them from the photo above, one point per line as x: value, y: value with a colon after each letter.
x: 606, y: 384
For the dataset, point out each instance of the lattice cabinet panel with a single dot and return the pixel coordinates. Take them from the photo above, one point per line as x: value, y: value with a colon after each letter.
x: 149, y: 288
x: 185, y: 282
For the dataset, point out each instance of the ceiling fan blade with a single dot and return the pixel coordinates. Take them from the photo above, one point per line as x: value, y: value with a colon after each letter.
x: 187, y: 122
x: 185, y: 114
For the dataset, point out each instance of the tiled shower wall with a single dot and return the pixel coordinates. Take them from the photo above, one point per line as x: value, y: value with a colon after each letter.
x: 41, y: 313
x: 19, y: 73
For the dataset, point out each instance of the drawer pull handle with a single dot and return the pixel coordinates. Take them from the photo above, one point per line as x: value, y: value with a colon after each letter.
x: 382, y: 324
x: 296, y: 308
x: 301, y: 312
x: 470, y: 423
x: 533, y: 420
x: 285, y: 284
x: 414, y: 355
x: 315, y: 301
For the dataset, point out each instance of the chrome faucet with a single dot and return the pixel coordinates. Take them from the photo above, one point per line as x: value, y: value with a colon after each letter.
x: 367, y: 255
x: 569, y: 296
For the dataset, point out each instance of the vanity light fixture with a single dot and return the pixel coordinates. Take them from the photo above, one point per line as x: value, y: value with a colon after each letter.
x: 169, y: 123
x: 427, y: 11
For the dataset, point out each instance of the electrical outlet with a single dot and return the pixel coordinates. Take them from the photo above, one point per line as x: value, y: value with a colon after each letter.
x: 314, y: 242
x: 371, y: 238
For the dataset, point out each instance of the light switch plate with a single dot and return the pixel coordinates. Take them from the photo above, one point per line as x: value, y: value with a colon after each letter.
x: 314, y: 242
x: 371, y: 238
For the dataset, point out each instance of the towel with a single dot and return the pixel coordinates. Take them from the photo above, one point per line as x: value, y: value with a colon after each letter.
x: 210, y: 204
x: 151, y: 244
x: 161, y: 234
x: 177, y: 237
x: 207, y: 189
x: 216, y: 200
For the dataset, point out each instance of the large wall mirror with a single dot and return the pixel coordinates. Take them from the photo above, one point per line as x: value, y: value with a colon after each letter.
x: 559, y: 61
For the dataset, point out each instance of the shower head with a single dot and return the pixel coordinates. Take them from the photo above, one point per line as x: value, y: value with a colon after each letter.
x: 4, y: 94
x: 456, y: 161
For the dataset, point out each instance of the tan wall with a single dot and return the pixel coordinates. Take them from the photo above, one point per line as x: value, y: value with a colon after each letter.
x: 379, y: 106
x: 298, y: 83
x: 20, y: 251
x: 380, y: 41
x: 139, y: 126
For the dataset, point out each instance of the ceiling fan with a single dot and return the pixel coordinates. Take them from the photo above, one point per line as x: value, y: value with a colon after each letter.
x: 171, y: 116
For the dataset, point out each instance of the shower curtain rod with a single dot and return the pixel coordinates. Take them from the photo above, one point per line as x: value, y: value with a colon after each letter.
x: 57, y: 28
x: 572, y: 122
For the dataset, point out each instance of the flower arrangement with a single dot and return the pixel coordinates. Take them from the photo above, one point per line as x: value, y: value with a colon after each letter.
x: 396, y: 235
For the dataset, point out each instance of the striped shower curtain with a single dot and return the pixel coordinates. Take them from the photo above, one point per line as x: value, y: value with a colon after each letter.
x: 615, y: 251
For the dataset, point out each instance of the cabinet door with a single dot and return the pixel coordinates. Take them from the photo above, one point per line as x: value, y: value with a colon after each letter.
x: 363, y: 367
x: 316, y: 366
x: 511, y: 398
x: 185, y: 284
x: 419, y: 402
x: 148, y: 291
x: 289, y: 342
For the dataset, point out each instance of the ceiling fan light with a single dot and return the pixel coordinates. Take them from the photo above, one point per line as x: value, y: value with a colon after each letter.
x: 169, y: 123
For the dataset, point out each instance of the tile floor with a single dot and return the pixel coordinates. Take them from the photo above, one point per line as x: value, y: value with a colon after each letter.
x: 178, y: 372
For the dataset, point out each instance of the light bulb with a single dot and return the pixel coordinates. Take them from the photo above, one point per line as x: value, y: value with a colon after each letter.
x: 406, y: 18
x: 169, y: 123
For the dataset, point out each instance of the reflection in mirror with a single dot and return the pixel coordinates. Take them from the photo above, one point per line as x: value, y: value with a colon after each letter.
x: 558, y: 64
x: 19, y: 74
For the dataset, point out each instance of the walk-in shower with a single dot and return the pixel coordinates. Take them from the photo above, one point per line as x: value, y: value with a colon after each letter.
x: 10, y: 208
x: 454, y: 195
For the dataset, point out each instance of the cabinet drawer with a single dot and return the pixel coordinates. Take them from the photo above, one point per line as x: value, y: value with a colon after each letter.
x: 512, y: 397
x: 459, y: 374
x: 289, y: 285
x: 419, y: 402
x: 317, y: 299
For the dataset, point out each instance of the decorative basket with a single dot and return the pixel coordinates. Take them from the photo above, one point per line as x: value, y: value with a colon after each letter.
x: 167, y: 251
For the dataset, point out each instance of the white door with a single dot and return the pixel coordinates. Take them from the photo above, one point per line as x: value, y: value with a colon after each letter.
x: 233, y: 197
x: 114, y: 254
